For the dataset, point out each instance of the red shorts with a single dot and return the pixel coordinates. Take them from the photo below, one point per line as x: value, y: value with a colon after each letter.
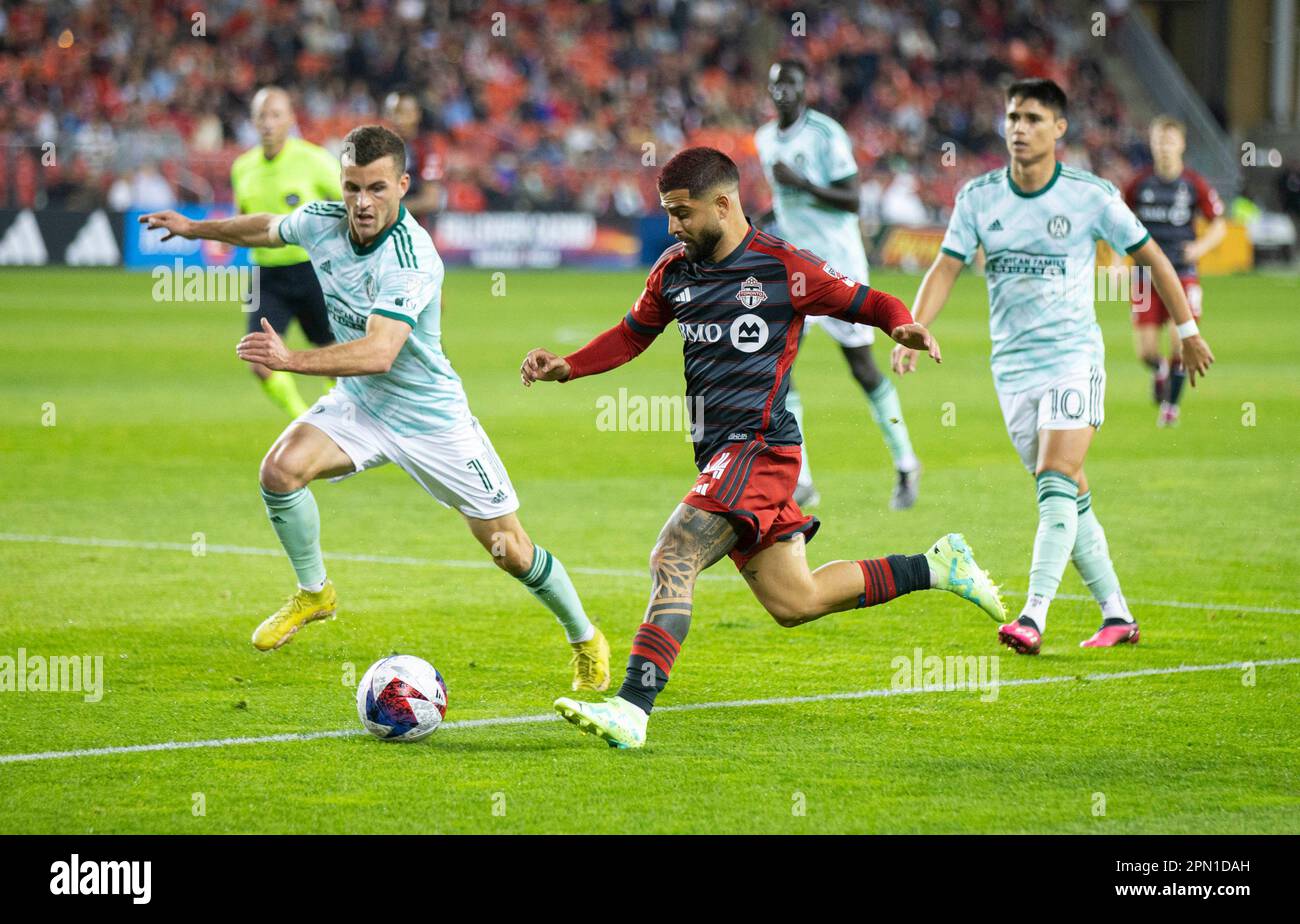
x: 752, y: 484
x: 1151, y: 310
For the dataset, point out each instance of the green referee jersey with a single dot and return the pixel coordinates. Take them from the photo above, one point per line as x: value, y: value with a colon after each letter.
x: 300, y: 173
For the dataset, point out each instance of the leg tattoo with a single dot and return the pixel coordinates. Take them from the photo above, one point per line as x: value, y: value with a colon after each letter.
x: 691, y: 541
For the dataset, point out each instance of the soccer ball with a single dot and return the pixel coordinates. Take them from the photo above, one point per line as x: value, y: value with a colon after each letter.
x: 402, y: 698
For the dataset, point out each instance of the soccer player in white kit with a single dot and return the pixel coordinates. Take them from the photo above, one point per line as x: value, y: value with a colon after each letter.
x: 808, y: 161
x: 398, y: 399
x: 1038, y: 222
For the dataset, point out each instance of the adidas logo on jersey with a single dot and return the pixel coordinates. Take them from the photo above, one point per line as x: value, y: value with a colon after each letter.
x: 325, y: 268
x: 996, y: 226
x: 683, y: 296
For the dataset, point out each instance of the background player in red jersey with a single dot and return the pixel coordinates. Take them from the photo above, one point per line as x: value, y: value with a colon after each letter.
x: 740, y: 298
x: 1166, y: 198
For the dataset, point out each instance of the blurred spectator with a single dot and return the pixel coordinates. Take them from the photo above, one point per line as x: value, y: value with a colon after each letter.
x: 527, y: 105
x: 146, y: 189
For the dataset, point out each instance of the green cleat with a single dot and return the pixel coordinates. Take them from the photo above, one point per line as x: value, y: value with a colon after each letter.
x: 954, y: 570
x: 617, y: 721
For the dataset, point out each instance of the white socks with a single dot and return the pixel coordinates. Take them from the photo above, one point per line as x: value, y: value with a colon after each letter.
x: 1116, y: 607
x: 1036, y: 609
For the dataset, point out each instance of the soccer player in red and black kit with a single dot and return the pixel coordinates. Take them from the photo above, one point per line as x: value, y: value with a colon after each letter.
x: 1166, y: 198
x: 740, y: 297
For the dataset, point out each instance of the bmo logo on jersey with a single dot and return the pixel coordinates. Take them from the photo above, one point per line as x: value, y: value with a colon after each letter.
x: 700, y: 333
x: 748, y: 333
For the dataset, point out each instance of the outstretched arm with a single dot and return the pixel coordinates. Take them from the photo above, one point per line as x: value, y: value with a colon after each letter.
x: 609, y: 350
x: 369, y: 355
x: 816, y: 289
x: 1196, y: 352
x: 242, y: 231
x: 930, y: 299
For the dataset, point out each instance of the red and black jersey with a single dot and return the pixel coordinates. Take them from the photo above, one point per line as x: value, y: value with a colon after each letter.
x: 1167, y: 208
x: 740, y: 321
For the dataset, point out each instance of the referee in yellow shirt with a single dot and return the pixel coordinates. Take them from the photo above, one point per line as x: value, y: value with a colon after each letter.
x: 278, y: 176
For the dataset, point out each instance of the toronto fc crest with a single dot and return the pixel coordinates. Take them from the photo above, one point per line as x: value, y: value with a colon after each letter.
x: 751, y: 293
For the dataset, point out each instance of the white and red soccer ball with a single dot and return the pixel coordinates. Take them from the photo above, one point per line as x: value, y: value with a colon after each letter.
x: 402, y: 698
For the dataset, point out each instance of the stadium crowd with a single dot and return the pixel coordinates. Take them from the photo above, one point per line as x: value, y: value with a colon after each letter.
x: 555, y: 105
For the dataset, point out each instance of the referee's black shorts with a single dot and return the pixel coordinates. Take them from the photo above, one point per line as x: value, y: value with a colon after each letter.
x: 288, y: 292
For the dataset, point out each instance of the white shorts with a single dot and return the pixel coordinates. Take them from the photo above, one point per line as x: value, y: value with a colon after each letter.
x: 1073, y: 401
x: 845, y: 333
x: 458, y: 467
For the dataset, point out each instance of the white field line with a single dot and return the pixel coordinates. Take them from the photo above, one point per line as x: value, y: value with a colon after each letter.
x: 686, y: 707
x: 578, y: 569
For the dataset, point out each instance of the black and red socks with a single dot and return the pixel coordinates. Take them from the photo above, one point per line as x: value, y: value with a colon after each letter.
x: 653, y: 652
x: 890, y: 577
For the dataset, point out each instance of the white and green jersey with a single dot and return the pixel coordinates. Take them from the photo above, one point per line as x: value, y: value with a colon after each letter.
x: 816, y: 146
x: 1040, y: 253
x: 398, y: 275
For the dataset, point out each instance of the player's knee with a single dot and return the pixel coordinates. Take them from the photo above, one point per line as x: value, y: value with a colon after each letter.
x: 667, y: 559
x: 659, y: 556
x: 1064, y: 467
x: 791, y: 612
x: 282, y: 472
x: 512, y: 552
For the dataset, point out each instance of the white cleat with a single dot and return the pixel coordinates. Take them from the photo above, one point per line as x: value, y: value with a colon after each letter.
x: 617, y: 721
x: 950, y: 558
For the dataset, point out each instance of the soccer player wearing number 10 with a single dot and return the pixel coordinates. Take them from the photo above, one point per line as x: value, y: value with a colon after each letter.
x: 1038, y: 223
x: 398, y: 398
x: 740, y: 299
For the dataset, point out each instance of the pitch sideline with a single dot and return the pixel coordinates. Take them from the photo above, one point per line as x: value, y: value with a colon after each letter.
x: 684, y: 707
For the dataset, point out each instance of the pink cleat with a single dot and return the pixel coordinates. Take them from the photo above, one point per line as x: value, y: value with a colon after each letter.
x: 1168, y: 415
x: 1020, y: 638
x: 1115, y: 633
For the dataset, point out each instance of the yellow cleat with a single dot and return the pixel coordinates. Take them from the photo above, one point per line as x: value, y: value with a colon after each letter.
x: 590, y: 663
x: 303, y: 607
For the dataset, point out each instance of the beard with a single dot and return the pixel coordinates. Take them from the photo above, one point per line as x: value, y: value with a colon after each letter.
x: 703, y: 245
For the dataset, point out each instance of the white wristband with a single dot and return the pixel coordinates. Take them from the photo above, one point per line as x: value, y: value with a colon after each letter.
x: 1188, y: 329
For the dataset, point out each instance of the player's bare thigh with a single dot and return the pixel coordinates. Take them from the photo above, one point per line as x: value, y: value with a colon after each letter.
x: 1064, y: 451
x: 780, y: 579
x: 505, y: 540
x: 792, y: 593
x: 302, y: 454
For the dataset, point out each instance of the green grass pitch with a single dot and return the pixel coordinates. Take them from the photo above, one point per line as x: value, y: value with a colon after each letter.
x: 156, y: 437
